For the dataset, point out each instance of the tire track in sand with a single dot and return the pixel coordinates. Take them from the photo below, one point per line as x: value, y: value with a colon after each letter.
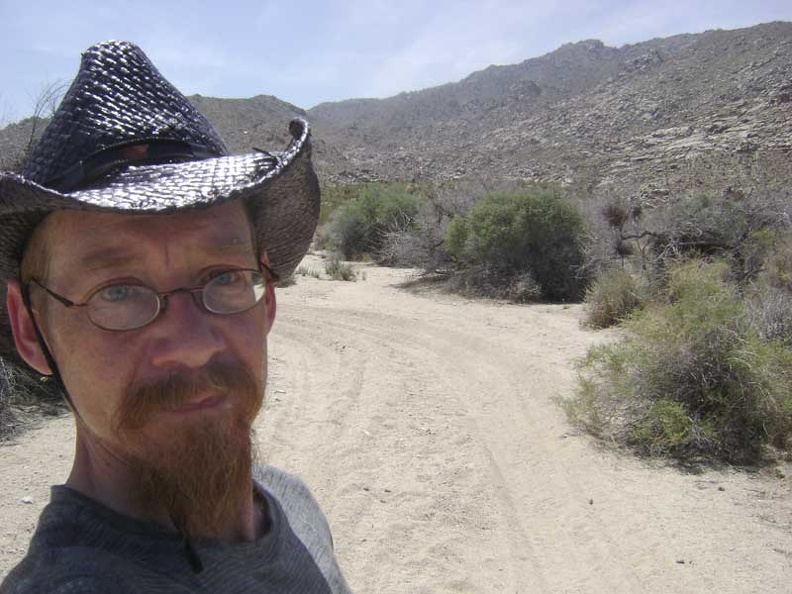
x: 428, y: 427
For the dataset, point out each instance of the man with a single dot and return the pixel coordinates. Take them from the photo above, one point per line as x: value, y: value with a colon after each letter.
x: 140, y: 262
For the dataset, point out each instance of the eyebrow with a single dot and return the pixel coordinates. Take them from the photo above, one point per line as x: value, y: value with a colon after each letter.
x: 107, y: 259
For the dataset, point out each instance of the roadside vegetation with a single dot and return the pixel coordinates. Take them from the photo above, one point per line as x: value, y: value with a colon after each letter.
x: 525, y: 245
x: 362, y: 226
x: 694, y: 378
x: 700, y: 284
x: 522, y: 244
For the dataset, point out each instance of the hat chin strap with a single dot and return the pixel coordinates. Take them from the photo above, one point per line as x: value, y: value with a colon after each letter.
x: 56, y: 375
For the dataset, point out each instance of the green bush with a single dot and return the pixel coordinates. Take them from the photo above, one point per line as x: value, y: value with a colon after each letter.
x: 612, y: 297
x: 334, y: 196
x: 656, y: 233
x: 692, y: 378
x: 536, y: 233
x: 359, y: 226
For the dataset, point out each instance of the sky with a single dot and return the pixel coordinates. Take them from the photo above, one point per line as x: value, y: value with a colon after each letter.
x: 310, y: 51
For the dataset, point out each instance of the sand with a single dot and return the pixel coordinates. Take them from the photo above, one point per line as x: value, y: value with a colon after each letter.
x: 428, y: 428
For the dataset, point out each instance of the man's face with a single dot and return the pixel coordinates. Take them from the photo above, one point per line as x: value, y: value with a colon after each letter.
x: 153, y: 397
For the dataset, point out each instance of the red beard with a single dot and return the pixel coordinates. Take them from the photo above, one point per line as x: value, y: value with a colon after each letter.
x: 202, y: 473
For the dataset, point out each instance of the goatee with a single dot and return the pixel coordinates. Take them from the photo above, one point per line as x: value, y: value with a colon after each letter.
x: 202, y: 474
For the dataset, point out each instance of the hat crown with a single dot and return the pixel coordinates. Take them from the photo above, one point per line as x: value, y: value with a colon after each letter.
x: 117, y: 97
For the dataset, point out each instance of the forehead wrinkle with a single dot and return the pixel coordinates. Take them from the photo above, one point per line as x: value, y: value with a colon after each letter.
x: 114, y: 258
x: 236, y: 247
x: 106, y: 259
x: 111, y: 241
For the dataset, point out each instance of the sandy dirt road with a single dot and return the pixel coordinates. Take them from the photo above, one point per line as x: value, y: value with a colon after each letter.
x: 427, y: 427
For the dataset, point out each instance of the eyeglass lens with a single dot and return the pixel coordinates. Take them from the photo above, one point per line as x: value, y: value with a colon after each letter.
x: 126, y: 307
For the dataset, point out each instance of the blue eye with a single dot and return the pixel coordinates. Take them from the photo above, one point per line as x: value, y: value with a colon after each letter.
x: 117, y: 292
x: 229, y: 277
x: 121, y: 293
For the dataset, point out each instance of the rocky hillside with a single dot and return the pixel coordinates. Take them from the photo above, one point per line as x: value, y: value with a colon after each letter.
x: 710, y: 111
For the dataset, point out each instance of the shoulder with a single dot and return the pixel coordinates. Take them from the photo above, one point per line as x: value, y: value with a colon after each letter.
x: 57, y: 559
x: 59, y: 574
x: 305, y: 519
x: 285, y: 486
x: 80, y: 547
x: 298, y: 503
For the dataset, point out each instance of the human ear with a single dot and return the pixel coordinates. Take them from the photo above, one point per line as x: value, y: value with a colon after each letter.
x: 269, y: 300
x: 24, y: 331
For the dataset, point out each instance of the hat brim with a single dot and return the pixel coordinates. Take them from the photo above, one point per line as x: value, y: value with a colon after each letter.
x: 281, y: 192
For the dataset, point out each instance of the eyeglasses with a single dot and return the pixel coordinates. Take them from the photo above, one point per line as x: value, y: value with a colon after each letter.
x: 129, y: 306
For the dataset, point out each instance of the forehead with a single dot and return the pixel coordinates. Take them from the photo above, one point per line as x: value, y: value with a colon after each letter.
x: 76, y: 237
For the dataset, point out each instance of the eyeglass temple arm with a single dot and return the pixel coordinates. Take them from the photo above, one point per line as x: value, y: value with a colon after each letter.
x: 61, y: 298
x: 270, y: 275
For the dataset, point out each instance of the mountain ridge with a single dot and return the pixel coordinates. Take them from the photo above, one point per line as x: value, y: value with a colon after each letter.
x: 589, y: 114
x: 704, y: 111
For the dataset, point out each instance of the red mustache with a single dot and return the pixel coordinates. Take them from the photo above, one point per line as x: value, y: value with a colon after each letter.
x: 141, y: 402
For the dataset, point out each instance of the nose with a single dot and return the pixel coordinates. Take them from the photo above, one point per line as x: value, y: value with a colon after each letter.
x: 185, y: 334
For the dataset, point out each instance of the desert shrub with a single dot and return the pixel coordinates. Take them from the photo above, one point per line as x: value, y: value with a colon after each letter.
x: 334, y: 196
x: 484, y: 281
x: 692, y: 378
x: 700, y: 223
x: 523, y: 288
x: 419, y: 245
x: 613, y: 296
x: 358, y: 228
x: 768, y: 297
x: 303, y: 270
x: 776, y: 262
x: 769, y: 312
x: 405, y: 247
x: 338, y: 270
x: 25, y: 398
x: 510, y: 235
x: 654, y: 233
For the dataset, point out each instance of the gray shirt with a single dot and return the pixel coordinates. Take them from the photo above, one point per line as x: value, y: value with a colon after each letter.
x: 83, y: 547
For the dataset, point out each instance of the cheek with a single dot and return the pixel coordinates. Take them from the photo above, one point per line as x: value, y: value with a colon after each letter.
x: 95, y: 369
x: 246, y: 339
x: 249, y: 344
x: 97, y: 388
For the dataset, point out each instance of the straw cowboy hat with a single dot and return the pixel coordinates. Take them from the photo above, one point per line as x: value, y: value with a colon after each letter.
x: 125, y: 140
